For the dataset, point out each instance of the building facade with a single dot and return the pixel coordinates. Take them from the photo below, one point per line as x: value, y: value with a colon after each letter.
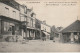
x: 71, y: 33
x: 23, y: 19
x: 18, y: 22
x: 31, y: 24
x: 9, y: 20
x: 38, y: 29
x: 46, y: 30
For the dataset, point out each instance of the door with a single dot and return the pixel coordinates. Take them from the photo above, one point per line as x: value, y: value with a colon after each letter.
x: 13, y: 30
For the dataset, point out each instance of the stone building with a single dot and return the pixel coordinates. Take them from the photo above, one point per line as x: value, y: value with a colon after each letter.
x: 19, y: 22
x: 38, y: 29
x: 46, y: 30
x: 9, y: 20
x: 31, y: 16
x: 23, y: 19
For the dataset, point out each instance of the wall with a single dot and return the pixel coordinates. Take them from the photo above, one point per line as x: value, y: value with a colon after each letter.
x: 27, y: 33
x: 37, y: 24
x: 31, y: 22
x: 29, y: 12
x: 28, y: 20
x: 22, y: 13
x: 22, y: 10
x: 10, y: 13
x: 42, y: 27
x: 48, y: 29
x: 45, y: 27
x: 34, y: 22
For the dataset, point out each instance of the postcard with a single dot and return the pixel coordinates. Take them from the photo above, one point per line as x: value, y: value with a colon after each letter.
x: 39, y: 26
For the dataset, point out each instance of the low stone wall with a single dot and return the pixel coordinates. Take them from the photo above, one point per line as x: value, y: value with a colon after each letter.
x: 11, y: 38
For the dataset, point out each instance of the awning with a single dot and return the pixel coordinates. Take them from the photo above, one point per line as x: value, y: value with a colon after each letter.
x: 45, y: 33
x: 31, y: 28
x: 10, y: 19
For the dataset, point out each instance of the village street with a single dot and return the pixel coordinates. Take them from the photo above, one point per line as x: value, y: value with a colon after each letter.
x: 38, y: 46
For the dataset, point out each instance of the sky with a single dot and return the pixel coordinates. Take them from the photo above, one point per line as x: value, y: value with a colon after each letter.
x: 54, y: 12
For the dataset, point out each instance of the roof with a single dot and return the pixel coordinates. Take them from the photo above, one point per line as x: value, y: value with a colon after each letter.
x: 74, y: 27
x: 11, y: 3
x: 59, y: 29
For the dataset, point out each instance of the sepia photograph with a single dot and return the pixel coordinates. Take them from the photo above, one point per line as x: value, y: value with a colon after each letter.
x: 39, y: 25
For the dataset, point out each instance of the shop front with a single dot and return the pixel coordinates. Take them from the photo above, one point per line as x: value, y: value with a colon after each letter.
x: 45, y: 35
x: 30, y: 33
x: 9, y: 29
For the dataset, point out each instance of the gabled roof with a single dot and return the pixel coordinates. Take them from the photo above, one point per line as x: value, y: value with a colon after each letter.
x: 59, y: 29
x: 74, y: 27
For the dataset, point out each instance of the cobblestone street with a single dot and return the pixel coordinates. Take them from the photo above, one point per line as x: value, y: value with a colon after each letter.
x: 38, y: 46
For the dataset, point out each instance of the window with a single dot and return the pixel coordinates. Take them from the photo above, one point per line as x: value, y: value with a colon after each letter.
x: 28, y: 20
x: 17, y: 27
x: 25, y: 10
x: 32, y: 23
x: 7, y: 11
x: 6, y: 26
x: 14, y: 14
x: 10, y: 29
